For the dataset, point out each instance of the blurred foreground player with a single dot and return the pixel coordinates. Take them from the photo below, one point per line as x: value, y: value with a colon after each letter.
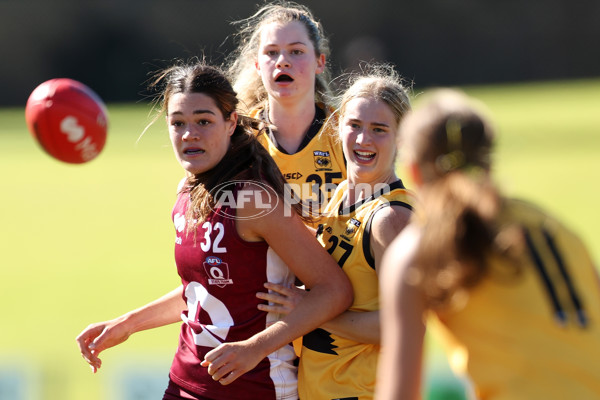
x: 512, y: 291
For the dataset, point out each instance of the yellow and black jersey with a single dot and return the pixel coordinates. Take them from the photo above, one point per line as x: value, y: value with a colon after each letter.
x: 333, y: 367
x: 531, y: 331
x: 315, y: 170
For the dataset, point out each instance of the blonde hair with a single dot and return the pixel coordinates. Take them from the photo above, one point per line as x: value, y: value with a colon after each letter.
x: 246, y: 82
x: 380, y: 82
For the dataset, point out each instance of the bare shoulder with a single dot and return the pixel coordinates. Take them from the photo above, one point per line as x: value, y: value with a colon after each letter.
x: 260, y: 209
x: 406, y: 242
x: 392, y: 215
x: 388, y: 222
x: 399, y: 254
x: 255, y: 198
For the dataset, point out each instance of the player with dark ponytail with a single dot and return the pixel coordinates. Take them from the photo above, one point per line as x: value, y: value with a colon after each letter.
x: 230, y: 217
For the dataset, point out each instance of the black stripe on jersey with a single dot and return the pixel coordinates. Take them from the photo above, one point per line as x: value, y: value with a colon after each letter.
x: 367, y: 233
x: 386, y: 189
x: 581, y: 315
x: 559, y: 312
x: 313, y: 129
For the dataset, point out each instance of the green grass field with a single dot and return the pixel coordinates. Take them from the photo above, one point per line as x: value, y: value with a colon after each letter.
x: 84, y: 243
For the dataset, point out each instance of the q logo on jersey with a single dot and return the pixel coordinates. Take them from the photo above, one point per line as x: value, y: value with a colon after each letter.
x: 322, y: 160
x: 217, y: 271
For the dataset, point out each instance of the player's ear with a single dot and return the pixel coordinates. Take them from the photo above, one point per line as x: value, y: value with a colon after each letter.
x: 232, y: 123
x: 320, y: 64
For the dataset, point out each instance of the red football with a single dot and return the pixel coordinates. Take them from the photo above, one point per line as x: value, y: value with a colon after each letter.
x: 67, y: 119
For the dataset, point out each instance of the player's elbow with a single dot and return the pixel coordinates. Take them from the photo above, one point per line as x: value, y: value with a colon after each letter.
x: 343, y: 292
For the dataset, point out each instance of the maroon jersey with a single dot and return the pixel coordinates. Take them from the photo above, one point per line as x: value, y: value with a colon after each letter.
x: 221, y: 274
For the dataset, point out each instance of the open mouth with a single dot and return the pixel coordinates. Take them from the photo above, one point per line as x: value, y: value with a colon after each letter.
x: 284, y: 78
x: 364, y: 155
x: 193, y: 151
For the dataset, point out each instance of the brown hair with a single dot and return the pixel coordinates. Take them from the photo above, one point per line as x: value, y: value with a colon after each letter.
x: 246, y: 158
x: 242, y: 71
x: 450, y: 140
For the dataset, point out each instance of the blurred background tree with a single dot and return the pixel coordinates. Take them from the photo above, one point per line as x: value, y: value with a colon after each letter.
x: 112, y: 45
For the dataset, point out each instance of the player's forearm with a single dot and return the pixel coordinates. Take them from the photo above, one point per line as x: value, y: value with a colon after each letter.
x: 163, y: 311
x: 308, y: 315
x: 362, y: 327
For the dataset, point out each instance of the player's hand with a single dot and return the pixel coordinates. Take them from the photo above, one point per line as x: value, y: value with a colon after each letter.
x: 282, y: 299
x: 229, y: 361
x: 98, y: 337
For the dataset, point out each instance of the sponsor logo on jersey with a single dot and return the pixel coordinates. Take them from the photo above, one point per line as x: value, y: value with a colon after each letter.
x: 179, y: 222
x: 217, y: 271
x: 351, y: 227
x: 322, y: 160
x: 292, y: 175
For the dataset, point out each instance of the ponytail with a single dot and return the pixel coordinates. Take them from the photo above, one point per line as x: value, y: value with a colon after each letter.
x: 450, y: 140
x: 461, y: 230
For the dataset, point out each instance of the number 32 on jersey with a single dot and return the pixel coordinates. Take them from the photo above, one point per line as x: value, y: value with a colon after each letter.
x: 213, y: 234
